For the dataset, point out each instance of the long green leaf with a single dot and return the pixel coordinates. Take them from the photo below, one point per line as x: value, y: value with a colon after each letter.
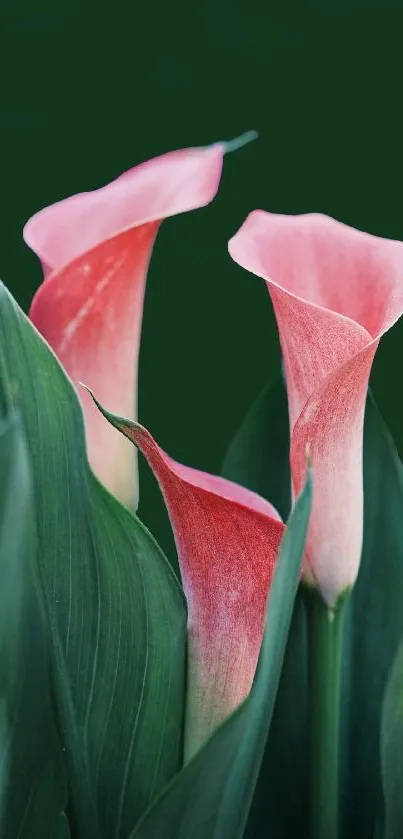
x: 114, y: 608
x: 31, y: 771
x: 392, y: 750
x: 211, y: 797
x: 258, y: 458
x: 373, y: 630
x: 375, y: 626
x: 63, y: 830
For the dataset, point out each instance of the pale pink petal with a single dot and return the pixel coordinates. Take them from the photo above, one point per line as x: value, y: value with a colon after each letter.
x: 227, y: 540
x: 163, y: 186
x: 95, y: 249
x: 335, y: 291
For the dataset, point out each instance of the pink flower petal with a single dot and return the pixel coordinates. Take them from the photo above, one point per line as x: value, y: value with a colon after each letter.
x: 335, y: 291
x: 227, y: 540
x: 95, y: 249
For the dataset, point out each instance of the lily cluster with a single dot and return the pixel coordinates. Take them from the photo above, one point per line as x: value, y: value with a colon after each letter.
x: 335, y: 292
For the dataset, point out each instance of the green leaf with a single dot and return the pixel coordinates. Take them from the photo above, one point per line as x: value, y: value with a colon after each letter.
x: 373, y: 630
x: 280, y: 803
x: 32, y: 786
x: 392, y: 750
x: 62, y: 828
x: 257, y: 457
x: 115, y: 611
x: 211, y: 797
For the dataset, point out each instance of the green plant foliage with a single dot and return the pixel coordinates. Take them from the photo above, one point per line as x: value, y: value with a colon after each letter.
x: 257, y: 457
x: 63, y: 830
x: 211, y: 797
x: 375, y: 626
x: 392, y: 750
x: 373, y: 630
x: 115, y: 613
x: 32, y: 786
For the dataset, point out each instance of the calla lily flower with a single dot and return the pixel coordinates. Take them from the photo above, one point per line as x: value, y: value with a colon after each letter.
x: 335, y: 292
x: 95, y: 249
x: 227, y: 540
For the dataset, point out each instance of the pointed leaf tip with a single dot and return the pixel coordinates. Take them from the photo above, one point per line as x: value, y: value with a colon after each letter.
x: 88, y: 389
x: 114, y: 419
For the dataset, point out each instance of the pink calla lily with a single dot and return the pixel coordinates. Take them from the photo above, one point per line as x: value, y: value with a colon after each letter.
x: 95, y: 249
x: 335, y: 292
x: 227, y: 540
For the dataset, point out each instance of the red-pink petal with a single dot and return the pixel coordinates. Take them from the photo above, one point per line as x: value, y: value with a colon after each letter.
x: 227, y: 540
x: 95, y: 249
x: 335, y: 291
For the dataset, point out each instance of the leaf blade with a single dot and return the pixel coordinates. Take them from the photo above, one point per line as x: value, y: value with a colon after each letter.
x: 114, y: 608
x: 392, y: 750
x: 372, y: 639
x: 32, y: 776
x: 258, y: 458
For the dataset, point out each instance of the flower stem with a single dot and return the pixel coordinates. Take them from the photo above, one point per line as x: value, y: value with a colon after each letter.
x: 324, y: 649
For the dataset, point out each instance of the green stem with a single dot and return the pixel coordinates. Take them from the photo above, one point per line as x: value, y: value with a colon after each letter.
x: 325, y: 642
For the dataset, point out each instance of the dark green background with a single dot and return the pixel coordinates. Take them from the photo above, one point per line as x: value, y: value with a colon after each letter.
x: 87, y: 93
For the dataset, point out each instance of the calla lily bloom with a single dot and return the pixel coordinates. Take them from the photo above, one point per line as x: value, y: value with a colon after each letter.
x: 95, y: 249
x: 227, y: 540
x: 335, y: 292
